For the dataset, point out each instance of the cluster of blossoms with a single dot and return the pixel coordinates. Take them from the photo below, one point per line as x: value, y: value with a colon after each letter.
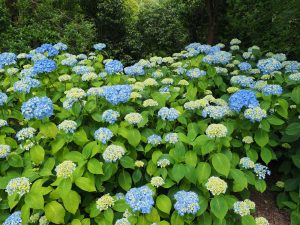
x: 24, y: 85
x: 269, y: 65
x: 89, y: 76
x: 47, y: 49
x: 242, y: 80
x: 154, y: 139
x: 242, y: 98
x: 261, y: 221
x: 197, y: 104
x: 163, y: 163
x: 70, y: 61
x: 186, y: 202
x: 216, y: 185
x: 169, y: 114
x: 73, y: 95
x: 244, y: 66
x: 25, y: 133
x: 44, y: 66
x: 99, y: 46
x: 113, y: 67
x: 117, y: 94
x: 247, y: 163
x: 113, y: 153
x: 133, y: 118
x: 215, y: 112
x: 110, y: 116
x: 103, y: 135
x: 140, y: 199
x: 295, y: 76
x: 255, y: 114
x: 243, y: 207
x: 19, y: 185
x: 261, y: 171
x: 68, y: 126
x: 247, y: 139
x: 14, y: 219
x: 65, y: 169
x: 150, y: 103
x: 3, y: 98
x: 220, y: 57
x: 37, y: 107
x: 157, y: 181
x: 139, y: 163
x: 134, y: 70
x: 216, y: 131
x: 3, y: 123
x: 272, y: 89
x: 105, y: 202
x: 171, y: 138
x: 4, y: 151
x: 195, y: 73
x: 80, y: 70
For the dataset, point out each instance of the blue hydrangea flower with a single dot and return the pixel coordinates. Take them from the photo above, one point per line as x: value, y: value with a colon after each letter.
x: 99, y: 46
x: 37, y: 107
x: 279, y: 56
x: 70, y: 61
x: 24, y: 85
x: 116, y: 94
x: 48, y: 49
x: 215, y: 112
x: 110, y: 116
x: 134, y: 70
x: 28, y: 72
x: 261, y: 171
x: 7, y: 58
x: 255, y: 114
x: 195, y: 73
x: 294, y: 76
x: 170, y: 114
x: 79, y: 70
x: 244, y: 66
x: 36, y: 57
x: 268, y: 65
x: 220, y: 57
x: 154, y: 139
x: 165, y: 89
x: 187, y: 202
x: 247, y: 163
x: 291, y: 66
x: 3, y: 98
x: 103, y: 135
x: 242, y: 80
x: 25, y: 133
x: 44, y: 66
x: 243, y: 98
x: 60, y: 46
x: 114, y: 66
x: 140, y: 199
x: 14, y: 219
x: 272, y: 89
x: 171, y: 138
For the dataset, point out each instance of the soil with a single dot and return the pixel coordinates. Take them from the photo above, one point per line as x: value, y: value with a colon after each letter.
x: 266, y: 207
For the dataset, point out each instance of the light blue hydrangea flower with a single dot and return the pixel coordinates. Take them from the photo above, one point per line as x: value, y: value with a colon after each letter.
x: 37, y: 107
x: 187, y: 202
x: 134, y: 70
x: 70, y: 61
x: 261, y: 171
x: 117, y: 94
x: 24, y: 85
x: 79, y: 70
x: 99, y: 46
x: 19, y: 185
x: 25, y: 133
x: 103, y: 135
x: 60, y: 46
x: 171, y: 138
x: 244, y: 66
x: 44, y: 66
x: 110, y: 116
x: 195, y: 73
x: 68, y: 126
x: 14, y: 219
x: 3, y: 98
x: 215, y: 112
x: 140, y: 199
x: 268, y: 65
x: 170, y: 114
x: 114, y: 66
x: 28, y: 72
x: 4, y: 151
x: 242, y: 80
x: 7, y: 58
x: 291, y: 66
x: 49, y: 49
x: 242, y: 98
x: 247, y: 163
x: 294, y: 76
x: 255, y: 114
x: 272, y: 89
x: 154, y: 139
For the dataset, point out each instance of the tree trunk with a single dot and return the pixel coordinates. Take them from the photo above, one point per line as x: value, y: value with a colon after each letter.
x: 211, y: 7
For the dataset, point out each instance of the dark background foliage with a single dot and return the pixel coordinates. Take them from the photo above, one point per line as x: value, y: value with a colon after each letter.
x: 137, y: 28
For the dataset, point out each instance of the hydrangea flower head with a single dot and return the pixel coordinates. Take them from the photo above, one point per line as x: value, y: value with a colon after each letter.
x: 19, y: 185
x: 169, y: 114
x: 272, y: 89
x: 47, y: 49
x: 105, y: 202
x: 195, y: 73
x: 269, y: 65
x: 68, y: 126
x: 134, y: 118
x: 37, y: 107
x: 103, y: 135
x: 25, y: 133
x: 171, y: 138
x: 247, y: 163
x: 4, y: 151
x: 14, y: 219
x: 99, y: 46
x: 140, y: 199
x: 261, y: 171
x: 216, y: 131
x: 110, y: 116
x: 116, y: 94
x: 113, y: 153
x: 255, y: 114
x: 243, y: 98
x: 65, y: 169
x: 44, y: 66
x: 3, y: 98
x: 114, y: 66
x: 157, y: 181
x: 216, y: 185
x: 244, y: 66
x: 186, y: 202
x: 154, y: 139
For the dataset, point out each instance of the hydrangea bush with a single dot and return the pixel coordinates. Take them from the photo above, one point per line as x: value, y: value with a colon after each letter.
x: 175, y: 140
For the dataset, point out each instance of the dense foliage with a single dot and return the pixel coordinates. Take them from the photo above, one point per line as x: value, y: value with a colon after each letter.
x: 174, y: 140
x: 137, y: 28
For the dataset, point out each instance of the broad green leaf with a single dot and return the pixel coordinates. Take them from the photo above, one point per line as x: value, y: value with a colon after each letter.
x: 37, y: 154
x: 35, y: 200
x: 296, y: 95
x: 49, y: 130
x: 15, y: 160
x: 95, y: 166
x: 221, y: 163
x: 164, y: 204
x: 85, y: 184
x: 71, y: 201
x: 248, y: 220
x: 261, y: 137
x: 124, y: 180
x: 266, y: 155
x: 218, y: 206
x: 178, y: 172
x: 55, y: 212
x: 203, y: 171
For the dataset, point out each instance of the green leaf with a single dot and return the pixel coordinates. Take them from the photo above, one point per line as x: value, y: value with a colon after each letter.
x: 203, y: 171
x: 293, y: 129
x: 37, y: 154
x: 219, y: 207
x: 64, y: 187
x: 57, y: 144
x: 261, y: 137
x: 133, y: 137
x: 95, y: 167
x: 127, y: 162
x: 178, y: 172
x: 176, y: 219
x: 71, y: 201
x: 15, y: 160
x: 221, y: 163
x: 49, y: 130
x: 85, y: 184
x: 191, y: 158
x: 80, y: 137
x: 248, y: 220
x: 124, y: 180
x: 296, y: 95
x: 260, y: 185
x: 266, y: 155
x: 120, y: 205
x: 35, y: 200
x: 296, y: 160
x: 54, y: 212
x: 240, y: 181
x: 164, y: 204
x: 275, y: 120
